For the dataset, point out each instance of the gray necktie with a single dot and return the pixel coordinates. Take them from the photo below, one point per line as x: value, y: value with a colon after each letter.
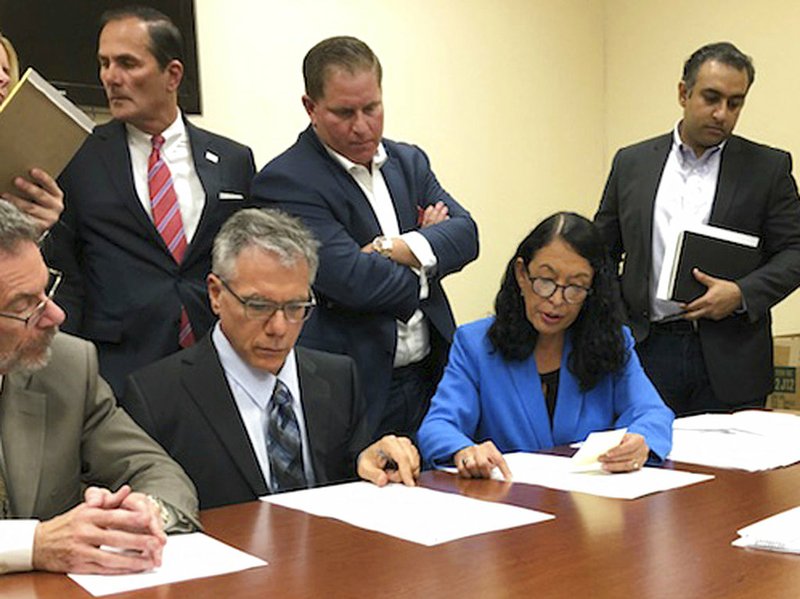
x: 283, y: 442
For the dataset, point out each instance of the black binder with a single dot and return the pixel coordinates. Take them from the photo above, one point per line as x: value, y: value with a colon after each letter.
x: 719, y: 258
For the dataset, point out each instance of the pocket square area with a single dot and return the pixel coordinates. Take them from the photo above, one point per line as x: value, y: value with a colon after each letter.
x: 230, y: 195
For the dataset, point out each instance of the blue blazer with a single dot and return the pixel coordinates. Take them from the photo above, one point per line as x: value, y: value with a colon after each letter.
x: 484, y: 397
x: 361, y: 296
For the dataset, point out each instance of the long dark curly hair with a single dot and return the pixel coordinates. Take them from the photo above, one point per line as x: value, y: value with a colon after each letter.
x: 598, y: 344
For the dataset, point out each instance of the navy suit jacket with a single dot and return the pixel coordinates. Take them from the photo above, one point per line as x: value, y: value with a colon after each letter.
x: 184, y: 402
x: 363, y: 295
x: 755, y: 194
x: 122, y: 289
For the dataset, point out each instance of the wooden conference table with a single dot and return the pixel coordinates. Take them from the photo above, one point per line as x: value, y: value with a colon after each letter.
x: 671, y: 544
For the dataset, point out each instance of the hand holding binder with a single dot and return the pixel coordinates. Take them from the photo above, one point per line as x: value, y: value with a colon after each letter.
x: 720, y: 300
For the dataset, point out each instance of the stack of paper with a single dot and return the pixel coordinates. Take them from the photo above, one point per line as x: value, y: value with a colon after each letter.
x: 777, y: 533
x: 749, y: 440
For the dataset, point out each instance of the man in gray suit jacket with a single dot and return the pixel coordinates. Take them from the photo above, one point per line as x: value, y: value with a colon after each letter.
x: 714, y: 353
x: 244, y: 411
x: 61, y: 431
x: 135, y: 268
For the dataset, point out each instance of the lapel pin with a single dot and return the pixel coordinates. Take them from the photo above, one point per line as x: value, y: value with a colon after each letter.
x: 211, y: 157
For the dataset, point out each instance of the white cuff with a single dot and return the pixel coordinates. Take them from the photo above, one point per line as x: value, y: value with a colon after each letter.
x: 421, y: 249
x: 16, y: 545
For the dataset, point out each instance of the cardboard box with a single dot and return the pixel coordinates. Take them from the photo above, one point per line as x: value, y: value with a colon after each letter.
x: 786, y: 395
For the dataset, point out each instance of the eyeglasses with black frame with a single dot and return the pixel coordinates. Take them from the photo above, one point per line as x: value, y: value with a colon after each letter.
x: 262, y: 309
x: 572, y: 294
x: 31, y: 318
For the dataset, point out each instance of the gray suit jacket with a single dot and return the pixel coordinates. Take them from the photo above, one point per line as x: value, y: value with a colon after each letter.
x: 62, y: 430
x: 755, y: 194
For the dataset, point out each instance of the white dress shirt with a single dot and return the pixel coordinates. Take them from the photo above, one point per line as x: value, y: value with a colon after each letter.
x: 252, y: 389
x: 177, y: 154
x: 413, y: 336
x: 685, y: 196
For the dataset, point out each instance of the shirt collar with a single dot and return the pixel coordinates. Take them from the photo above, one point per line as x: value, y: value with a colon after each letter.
x: 258, y: 383
x: 686, y: 154
x: 172, y: 134
x: 348, y: 165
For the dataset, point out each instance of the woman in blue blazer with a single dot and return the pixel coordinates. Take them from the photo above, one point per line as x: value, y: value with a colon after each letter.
x: 553, y: 365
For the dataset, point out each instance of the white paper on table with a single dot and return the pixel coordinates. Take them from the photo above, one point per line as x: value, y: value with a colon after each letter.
x: 780, y: 532
x: 595, y: 445
x: 757, y: 422
x: 414, y: 514
x: 750, y: 440
x: 185, y: 557
x: 555, y: 472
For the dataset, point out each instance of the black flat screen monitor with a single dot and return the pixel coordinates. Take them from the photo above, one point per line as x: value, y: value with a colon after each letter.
x: 59, y: 39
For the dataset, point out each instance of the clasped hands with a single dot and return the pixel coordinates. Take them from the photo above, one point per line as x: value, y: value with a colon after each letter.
x: 109, y: 533
x: 478, y: 461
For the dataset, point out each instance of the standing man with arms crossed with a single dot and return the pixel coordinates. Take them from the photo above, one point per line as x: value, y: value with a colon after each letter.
x: 715, y: 353
x: 145, y: 196
x: 61, y: 432
x: 389, y: 234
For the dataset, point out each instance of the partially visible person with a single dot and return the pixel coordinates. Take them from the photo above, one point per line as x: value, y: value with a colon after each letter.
x: 64, y: 443
x: 553, y: 365
x: 244, y: 411
x: 40, y: 198
x: 145, y: 195
x: 390, y: 234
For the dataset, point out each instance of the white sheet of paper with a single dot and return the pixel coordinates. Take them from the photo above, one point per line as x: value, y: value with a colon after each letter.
x: 780, y: 532
x: 750, y: 440
x: 595, y: 445
x: 555, y: 472
x: 414, y: 514
x: 185, y: 557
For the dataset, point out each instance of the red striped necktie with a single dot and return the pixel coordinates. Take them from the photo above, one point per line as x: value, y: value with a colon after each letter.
x: 167, y: 219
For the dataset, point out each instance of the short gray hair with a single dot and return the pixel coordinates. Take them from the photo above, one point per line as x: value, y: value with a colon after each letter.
x: 15, y: 228
x: 270, y: 230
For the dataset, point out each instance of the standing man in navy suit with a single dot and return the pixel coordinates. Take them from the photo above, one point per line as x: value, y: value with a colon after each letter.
x: 144, y: 197
x: 715, y: 353
x: 389, y: 234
